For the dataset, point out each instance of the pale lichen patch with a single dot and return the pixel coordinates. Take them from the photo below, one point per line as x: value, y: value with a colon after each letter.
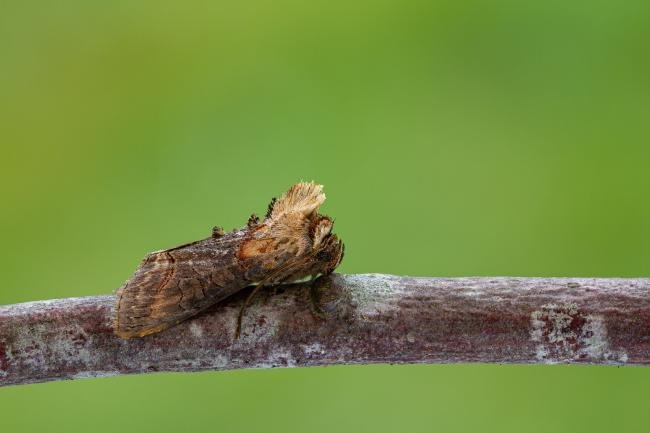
x: 595, y: 338
x: 564, y: 334
x: 279, y: 357
x: 554, y: 323
x: 541, y: 352
x: 259, y: 325
x: 196, y: 330
x: 94, y: 374
x: 314, y: 348
x: 370, y: 291
x: 38, y: 346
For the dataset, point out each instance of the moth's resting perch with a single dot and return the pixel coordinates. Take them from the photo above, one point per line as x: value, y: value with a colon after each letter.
x: 368, y: 319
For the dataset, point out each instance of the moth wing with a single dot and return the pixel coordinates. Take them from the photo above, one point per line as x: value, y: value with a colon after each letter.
x: 167, y: 288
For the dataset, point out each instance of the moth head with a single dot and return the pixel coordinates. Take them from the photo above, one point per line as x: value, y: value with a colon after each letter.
x: 327, y: 246
x: 330, y: 253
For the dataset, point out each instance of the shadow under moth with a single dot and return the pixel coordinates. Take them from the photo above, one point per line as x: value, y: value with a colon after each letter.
x: 293, y: 241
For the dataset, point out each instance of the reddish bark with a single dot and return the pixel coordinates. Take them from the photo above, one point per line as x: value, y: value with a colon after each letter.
x: 368, y: 319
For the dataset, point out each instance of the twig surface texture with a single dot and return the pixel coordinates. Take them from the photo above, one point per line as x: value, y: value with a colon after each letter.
x: 368, y: 318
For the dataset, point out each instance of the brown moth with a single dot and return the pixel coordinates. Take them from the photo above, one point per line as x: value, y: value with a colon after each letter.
x: 293, y: 241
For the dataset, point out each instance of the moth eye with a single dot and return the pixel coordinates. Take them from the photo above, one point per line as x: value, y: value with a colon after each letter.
x: 323, y: 256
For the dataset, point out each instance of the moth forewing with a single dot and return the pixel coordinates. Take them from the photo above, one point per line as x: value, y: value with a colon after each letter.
x: 173, y: 285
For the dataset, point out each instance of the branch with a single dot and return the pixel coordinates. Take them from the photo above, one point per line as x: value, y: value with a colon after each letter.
x: 367, y: 318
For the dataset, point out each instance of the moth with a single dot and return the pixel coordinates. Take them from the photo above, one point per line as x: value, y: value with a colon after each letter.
x: 293, y: 242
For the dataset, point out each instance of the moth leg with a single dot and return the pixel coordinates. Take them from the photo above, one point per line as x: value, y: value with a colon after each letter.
x: 315, y: 285
x: 240, y: 316
x: 270, y: 279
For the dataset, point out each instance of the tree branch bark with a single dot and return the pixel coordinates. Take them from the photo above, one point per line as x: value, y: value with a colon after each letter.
x: 369, y: 318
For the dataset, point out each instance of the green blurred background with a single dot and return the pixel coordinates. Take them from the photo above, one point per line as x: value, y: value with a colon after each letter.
x: 453, y: 138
